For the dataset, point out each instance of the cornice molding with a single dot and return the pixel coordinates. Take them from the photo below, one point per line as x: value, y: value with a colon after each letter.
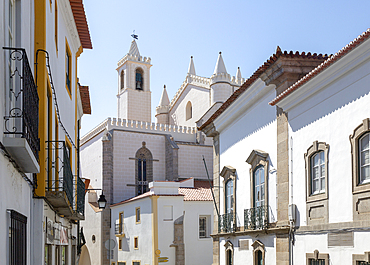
x: 73, y: 38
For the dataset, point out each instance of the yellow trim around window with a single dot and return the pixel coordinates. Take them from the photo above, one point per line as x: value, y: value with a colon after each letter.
x: 136, y: 242
x: 136, y: 261
x: 137, y: 216
x: 68, y: 52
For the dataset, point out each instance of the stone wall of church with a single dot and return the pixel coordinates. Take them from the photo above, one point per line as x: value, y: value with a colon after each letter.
x: 125, y: 147
x: 191, y: 160
x: 135, y: 105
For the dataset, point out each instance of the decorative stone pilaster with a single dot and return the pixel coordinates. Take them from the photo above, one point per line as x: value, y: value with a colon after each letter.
x: 107, y: 186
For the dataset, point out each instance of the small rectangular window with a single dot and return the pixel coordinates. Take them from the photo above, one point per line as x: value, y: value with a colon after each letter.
x: 17, y: 238
x: 135, y: 262
x: 137, y: 215
x: 120, y: 244
x: 121, y: 263
x: 136, y: 242
x: 316, y: 262
x: 202, y: 227
x: 68, y: 70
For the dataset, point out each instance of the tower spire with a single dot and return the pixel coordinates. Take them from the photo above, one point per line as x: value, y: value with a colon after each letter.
x: 164, y: 98
x: 134, y: 50
x: 220, y: 65
x: 191, y: 69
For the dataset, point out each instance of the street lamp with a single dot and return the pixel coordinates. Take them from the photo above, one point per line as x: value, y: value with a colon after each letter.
x: 102, y: 202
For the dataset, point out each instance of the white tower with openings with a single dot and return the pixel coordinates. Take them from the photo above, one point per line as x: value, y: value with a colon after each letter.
x: 134, y: 95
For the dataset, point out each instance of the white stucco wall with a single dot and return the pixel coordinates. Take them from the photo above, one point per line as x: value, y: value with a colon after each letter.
x: 255, y: 128
x: 91, y: 160
x: 246, y: 256
x: 330, y: 116
x: 142, y: 230
x: 199, y: 98
x: 198, y: 250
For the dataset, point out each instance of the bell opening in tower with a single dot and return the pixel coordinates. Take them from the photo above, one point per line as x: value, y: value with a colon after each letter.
x: 139, y: 79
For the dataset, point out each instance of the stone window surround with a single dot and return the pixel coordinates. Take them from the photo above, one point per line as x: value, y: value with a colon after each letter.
x: 229, y: 246
x: 256, y: 159
x: 361, y: 192
x: 228, y: 173
x: 354, y: 138
x: 320, y: 200
x: 258, y: 246
x: 315, y: 148
x: 361, y: 257
x: 317, y: 255
x: 143, y: 152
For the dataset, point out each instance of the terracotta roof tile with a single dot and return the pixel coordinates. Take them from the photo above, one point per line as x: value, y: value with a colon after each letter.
x: 85, y: 99
x: 196, y: 194
x: 349, y: 47
x: 81, y: 23
x: 256, y: 75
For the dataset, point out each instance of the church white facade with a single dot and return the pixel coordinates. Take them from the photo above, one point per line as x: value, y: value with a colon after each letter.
x: 122, y: 155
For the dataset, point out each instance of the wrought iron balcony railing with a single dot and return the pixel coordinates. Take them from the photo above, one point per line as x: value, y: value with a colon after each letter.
x: 226, y: 223
x: 22, y: 101
x: 119, y: 229
x: 80, y: 196
x: 256, y: 218
x: 59, y: 172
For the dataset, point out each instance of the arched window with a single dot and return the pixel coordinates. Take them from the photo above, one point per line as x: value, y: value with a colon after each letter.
x: 229, y: 194
x: 143, y: 169
x: 318, y: 173
x: 189, y: 111
x: 364, y: 157
x: 229, y: 253
x: 259, y: 187
x: 122, y: 79
x: 139, y: 79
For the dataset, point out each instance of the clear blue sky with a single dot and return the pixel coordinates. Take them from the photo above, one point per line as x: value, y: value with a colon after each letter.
x: 247, y: 32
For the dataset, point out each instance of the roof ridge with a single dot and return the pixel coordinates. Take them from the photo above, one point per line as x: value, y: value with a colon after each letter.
x: 321, y: 67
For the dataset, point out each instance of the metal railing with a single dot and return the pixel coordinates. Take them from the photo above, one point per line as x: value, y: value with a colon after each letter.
x: 119, y: 229
x: 256, y: 218
x: 59, y: 172
x: 80, y: 196
x: 22, y: 100
x: 226, y: 223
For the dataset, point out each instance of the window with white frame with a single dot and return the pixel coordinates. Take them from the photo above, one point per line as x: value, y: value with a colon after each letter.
x: 318, y: 173
x: 364, y: 159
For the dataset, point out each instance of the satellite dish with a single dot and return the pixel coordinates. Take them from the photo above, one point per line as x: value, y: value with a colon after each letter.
x: 110, y: 244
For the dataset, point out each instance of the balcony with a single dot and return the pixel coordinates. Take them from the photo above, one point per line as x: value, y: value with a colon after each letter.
x: 256, y: 218
x: 21, y: 137
x: 59, y: 182
x: 79, y: 200
x: 119, y: 230
x: 226, y: 223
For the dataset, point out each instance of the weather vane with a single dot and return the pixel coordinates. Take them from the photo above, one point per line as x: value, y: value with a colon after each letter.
x: 135, y: 36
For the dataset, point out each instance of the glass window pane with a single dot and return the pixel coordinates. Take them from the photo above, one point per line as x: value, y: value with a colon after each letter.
x: 315, y: 187
x: 365, y: 173
x: 365, y: 142
x: 315, y: 160
x: 365, y: 158
x: 323, y: 184
x: 315, y: 173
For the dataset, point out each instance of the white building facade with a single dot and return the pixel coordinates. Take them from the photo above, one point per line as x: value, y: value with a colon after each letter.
x: 250, y: 165
x: 170, y: 223
x: 36, y: 37
x: 328, y: 116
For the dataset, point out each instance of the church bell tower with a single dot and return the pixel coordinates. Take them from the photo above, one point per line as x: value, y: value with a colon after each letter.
x: 134, y: 95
